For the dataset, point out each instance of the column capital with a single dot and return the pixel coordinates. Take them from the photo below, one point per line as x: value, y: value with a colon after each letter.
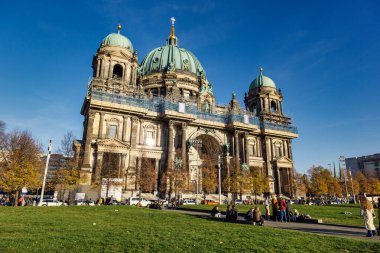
x: 134, y: 119
x: 184, y: 125
x: 92, y: 113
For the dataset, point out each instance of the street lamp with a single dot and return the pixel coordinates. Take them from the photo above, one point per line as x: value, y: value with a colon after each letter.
x: 46, y: 169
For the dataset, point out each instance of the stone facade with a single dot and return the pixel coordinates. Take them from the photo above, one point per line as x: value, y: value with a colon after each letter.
x: 170, y: 117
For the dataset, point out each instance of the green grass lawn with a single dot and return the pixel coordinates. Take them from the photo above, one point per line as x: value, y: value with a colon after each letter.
x: 333, y: 214
x: 130, y: 229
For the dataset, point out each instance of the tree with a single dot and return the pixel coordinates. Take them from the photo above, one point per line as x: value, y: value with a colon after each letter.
x: 254, y: 181
x: 147, y: 177
x: 209, y: 175
x: 363, y: 182
x: 65, y: 178
x: 300, y: 187
x: 374, y: 185
x: 319, y: 177
x: 2, y: 128
x: 66, y: 147
x: 20, y: 165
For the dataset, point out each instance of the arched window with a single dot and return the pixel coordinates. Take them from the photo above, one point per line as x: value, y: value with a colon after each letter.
x: 117, y: 71
x: 273, y: 106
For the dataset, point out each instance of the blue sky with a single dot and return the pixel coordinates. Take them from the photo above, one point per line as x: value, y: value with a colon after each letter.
x: 324, y: 55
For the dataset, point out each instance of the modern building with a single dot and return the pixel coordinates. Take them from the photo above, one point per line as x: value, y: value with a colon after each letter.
x: 164, y: 111
x: 369, y: 165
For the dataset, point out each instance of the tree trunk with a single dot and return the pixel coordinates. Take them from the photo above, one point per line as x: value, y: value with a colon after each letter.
x: 17, y: 194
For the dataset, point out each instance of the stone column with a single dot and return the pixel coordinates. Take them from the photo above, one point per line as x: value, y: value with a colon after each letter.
x: 87, y: 147
x: 246, y: 147
x: 98, y: 67
x: 135, y: 121
x: 99, y: 164
x: 237, y: 149
x: 289, y: 185
x: 124, y: 133
x: 110, y: 69
x: 124, y: 71
x: 101, y: 123
x: 141, y: 133
x: 184, y: 163
x: 170, y: 144
x: 278, y: 180
x: 156, y: 168
x: 158, y: 135
x: 268, y: 155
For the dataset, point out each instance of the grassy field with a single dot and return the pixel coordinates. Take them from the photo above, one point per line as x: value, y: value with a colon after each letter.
x: 334, y: 214
x: 129, y: 229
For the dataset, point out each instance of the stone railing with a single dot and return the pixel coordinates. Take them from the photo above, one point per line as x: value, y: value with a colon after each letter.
x: 160, y: 105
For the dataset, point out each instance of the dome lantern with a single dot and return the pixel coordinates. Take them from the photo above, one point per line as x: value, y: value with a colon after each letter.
x: 262, y: 81
x: 117, y: 39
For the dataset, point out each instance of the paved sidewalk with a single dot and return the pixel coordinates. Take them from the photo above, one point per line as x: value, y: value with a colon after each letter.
x: 331, y: 230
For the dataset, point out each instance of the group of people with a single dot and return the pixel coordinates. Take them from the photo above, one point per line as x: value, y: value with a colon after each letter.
x: 253, y: 215
x: 281, y: 210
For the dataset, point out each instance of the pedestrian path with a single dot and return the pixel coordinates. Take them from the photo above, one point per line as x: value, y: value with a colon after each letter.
x: 324, y: 229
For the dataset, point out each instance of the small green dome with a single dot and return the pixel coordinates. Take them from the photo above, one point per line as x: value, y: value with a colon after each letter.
x: 171, y: 57
x: 262, y: 81
x: 116, y: 39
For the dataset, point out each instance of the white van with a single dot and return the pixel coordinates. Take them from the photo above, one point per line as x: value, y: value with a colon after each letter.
x: 132, y: 201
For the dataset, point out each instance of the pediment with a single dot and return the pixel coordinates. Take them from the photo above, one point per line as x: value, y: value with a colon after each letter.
x: 112, y: 143
x: 284, y: 162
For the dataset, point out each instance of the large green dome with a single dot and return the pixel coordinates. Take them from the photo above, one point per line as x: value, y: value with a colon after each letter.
x: 262, y: 81
x: 116, y: 39
x: 171, y: 57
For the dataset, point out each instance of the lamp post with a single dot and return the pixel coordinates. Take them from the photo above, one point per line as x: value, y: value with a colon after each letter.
x: 219, y: 182
x: 352, y: 184
x: 46, y: 169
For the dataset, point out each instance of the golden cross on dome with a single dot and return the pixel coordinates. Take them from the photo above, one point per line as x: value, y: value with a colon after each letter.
x: 261, y: 70
x: 118, y: 28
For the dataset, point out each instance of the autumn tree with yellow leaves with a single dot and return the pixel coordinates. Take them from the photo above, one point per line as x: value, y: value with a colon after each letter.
x: 20, y: 163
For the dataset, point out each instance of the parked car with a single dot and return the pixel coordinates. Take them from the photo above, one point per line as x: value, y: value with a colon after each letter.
x: 51, y: 202
x: 209, y: 202
x: 238, y: 202
x: 189, y: 202
x: 133, y: 201
x: 84, y: 202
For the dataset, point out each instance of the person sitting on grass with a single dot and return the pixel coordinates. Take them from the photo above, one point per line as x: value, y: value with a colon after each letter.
x: 249, y: 216
x: 257, y: 218
x: 228, y: 213
x: 234, y: 213
x: 215, y: 212
x: 296, y: 215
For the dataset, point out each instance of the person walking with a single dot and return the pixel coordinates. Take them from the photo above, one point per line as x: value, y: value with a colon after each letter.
x: 368, y: 215
x: 282, y: 210
x: 267, y: 210
x: 274, y: 208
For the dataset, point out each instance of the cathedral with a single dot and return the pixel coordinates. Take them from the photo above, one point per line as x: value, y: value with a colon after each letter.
x: 155, y: 126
